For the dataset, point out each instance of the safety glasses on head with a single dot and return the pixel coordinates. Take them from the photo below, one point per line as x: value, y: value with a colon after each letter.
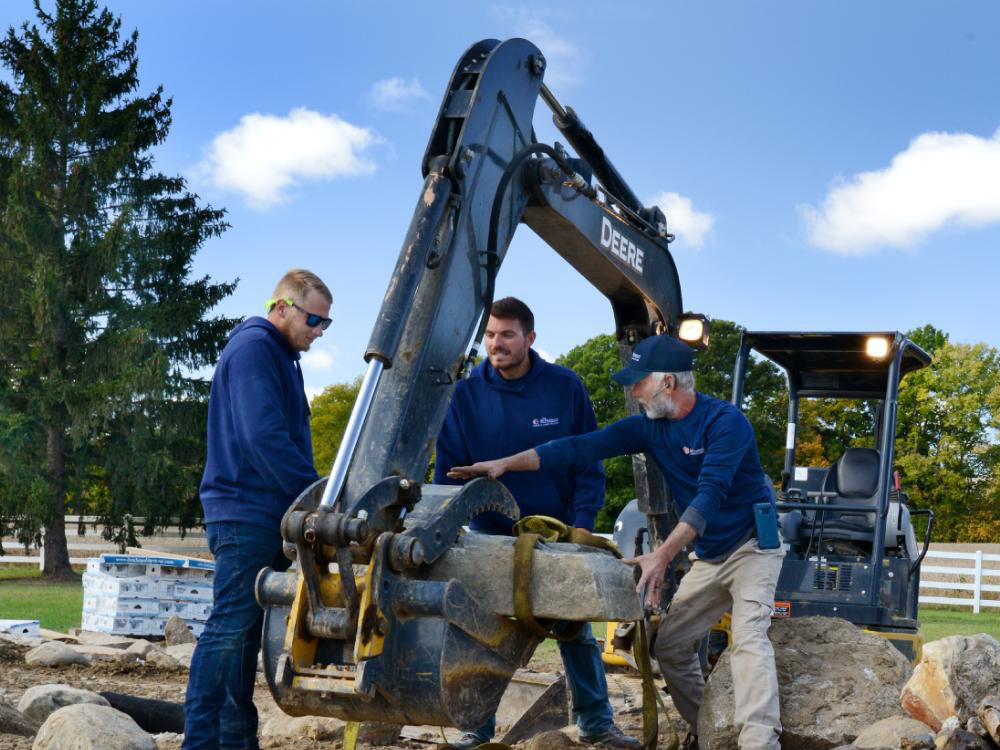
x: 312, y: 319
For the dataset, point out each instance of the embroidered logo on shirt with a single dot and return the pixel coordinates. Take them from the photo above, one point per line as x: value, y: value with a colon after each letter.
x: 544, y: 421
x: 693, y: 451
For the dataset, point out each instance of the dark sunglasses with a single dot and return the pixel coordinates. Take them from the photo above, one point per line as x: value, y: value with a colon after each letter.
x: 313, y: 320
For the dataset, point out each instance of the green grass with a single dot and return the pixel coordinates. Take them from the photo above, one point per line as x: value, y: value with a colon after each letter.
x: 937, y: 622
x: 58, y: 605
x: 23, y: 594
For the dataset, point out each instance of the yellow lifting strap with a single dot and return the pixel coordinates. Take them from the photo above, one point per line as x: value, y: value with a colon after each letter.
x: 529, y: 531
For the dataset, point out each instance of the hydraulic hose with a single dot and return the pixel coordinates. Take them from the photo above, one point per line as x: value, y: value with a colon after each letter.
x: 492, y: 256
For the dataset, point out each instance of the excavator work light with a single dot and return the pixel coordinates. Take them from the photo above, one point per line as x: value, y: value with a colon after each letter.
x: 877, y: 347
x: 693, y: 330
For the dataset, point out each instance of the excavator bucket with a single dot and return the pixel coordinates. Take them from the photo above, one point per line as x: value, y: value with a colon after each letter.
x: 435, y: 642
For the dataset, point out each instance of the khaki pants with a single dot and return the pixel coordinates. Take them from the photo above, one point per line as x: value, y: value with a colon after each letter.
x: 746, y: 582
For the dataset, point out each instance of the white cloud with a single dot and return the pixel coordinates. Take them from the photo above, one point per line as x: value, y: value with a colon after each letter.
x: 544, y: 354
x: 266, y: 155
x: 312, y: 392
x: 683, y: 220
x: 317, y: 359
x: 395, y: 94
x: 940, y: 179
x: 564, y: 59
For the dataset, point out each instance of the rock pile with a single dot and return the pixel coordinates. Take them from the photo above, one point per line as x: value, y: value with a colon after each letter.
x: 840, y: 688
x: 846, y: 689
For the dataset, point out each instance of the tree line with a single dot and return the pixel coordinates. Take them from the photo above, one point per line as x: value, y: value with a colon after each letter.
x: 947, y: 451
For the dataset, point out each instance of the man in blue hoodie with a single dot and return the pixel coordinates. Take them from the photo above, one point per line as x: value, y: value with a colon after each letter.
x: 708, y: 454
x: 259, y: 460
x: 512, y: 401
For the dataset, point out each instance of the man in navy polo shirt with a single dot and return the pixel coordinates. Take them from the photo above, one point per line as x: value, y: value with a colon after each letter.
x: 512, y: 401
x: 707, y: 452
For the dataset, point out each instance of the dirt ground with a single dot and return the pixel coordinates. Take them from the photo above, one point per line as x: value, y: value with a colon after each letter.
x: 150, y: 682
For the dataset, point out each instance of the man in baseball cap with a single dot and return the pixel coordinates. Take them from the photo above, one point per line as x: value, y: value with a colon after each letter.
x: 655, y: 354
x: 707, y: 452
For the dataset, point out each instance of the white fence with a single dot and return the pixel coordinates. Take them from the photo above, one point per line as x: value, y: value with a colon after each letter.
x: 957, y: 578
x: 969, y: 575
x: 91, y: 543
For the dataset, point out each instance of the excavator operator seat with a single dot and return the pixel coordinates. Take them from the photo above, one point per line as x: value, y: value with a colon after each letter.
x: 854, y: 477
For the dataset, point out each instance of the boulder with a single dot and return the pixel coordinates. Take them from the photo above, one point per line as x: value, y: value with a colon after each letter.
x: 54, y: 654
x: 892, y: 731
x: 958, y: 738
x: 989, y: 716
x: 176, y: 632
x: 160, y: 658
x: 86, y: 726
x: 834, y: 680
x: 182, y: 652
x: 140, y: 647
x: 40, y: 701
x: 13, y: 721
x: 550, y: 740
x: 953, y: 676
x: 309, y: 727
x: 975, y: 726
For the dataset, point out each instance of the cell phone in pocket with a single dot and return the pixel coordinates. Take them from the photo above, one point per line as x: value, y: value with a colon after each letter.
x: 766, y: 518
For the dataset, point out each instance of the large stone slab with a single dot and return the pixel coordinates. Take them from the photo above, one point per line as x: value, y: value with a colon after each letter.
x: 40, y: 701
x: 953, y: 676
x: 834, y: 680
x: 569, y: 581
x: 89, y: 727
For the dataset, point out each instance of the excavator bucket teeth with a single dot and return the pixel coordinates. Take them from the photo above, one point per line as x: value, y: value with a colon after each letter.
x: 444, y: 509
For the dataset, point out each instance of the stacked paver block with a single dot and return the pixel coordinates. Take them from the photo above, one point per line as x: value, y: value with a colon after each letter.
x: 27, y: 628
x: 137, y: 594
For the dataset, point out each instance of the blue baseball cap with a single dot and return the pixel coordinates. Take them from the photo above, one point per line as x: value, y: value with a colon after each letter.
x: 655, y: 354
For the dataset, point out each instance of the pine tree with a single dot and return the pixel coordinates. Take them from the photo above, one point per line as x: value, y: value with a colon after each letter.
x: 102, y: 325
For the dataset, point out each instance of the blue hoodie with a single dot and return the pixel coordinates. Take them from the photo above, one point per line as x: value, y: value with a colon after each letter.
x: 490, y: 417
x: 709, y: 459
x: 259, y: 445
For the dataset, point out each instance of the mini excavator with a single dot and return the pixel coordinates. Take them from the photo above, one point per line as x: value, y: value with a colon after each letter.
x: 392, y: 612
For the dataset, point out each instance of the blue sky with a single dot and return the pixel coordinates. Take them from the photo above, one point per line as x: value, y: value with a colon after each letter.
x: 824, y: 165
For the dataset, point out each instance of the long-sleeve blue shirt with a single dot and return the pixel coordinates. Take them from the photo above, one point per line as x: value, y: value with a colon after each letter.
x: 709, y: 459
x: 490, y: 417
x: 259, y: 444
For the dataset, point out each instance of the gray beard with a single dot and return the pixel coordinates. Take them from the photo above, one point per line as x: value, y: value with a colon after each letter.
x: 662, y: 406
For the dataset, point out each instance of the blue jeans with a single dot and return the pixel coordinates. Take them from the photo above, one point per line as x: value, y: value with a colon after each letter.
x: 587, y: 684
x: 219, y: 713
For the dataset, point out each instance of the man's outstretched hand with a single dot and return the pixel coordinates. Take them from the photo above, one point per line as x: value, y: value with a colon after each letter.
x: 654, y: 570
x: 492, y: 469
x: 523, y: 461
